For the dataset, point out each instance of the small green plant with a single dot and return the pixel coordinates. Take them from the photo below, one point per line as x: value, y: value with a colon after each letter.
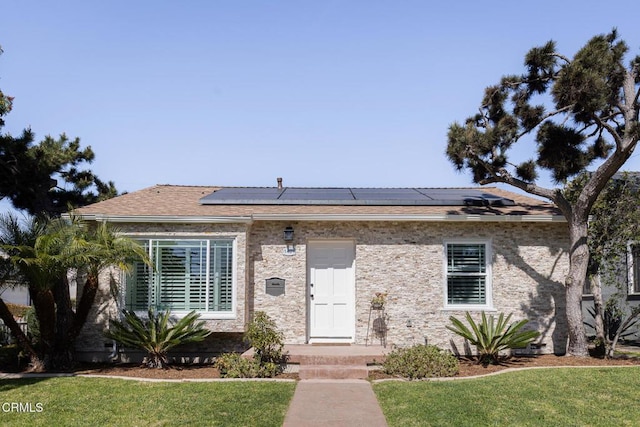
x: 233, y: 365
x: 379, y: 299
x: 157, y: 334
x: 613, y: 320
x: 267, y: 343
x: 491, y: 337
x: 421, y: 361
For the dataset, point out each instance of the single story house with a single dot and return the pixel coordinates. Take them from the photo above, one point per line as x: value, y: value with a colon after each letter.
x: 313, y: 259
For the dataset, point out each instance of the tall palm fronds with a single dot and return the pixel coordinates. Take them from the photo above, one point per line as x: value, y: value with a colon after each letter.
x: 17, y: 244
x: 40, y: 252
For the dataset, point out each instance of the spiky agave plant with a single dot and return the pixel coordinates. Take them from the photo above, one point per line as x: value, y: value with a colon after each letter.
x: 157, y: 334
x: 491, y: 337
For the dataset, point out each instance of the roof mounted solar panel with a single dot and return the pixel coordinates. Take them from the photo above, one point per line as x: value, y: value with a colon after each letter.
x: 395, y: 194
x: 354, y: 197
x: 316, y: 194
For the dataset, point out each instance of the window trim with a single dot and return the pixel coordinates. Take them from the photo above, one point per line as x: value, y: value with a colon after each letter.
x: 204, y: 315
x: 633, y: 288
x: 488, y: 305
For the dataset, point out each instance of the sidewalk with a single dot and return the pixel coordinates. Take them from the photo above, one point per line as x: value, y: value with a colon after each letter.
x: 334, y: 403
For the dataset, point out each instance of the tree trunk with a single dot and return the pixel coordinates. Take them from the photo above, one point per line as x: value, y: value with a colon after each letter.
x: 62, y: 350
x: 35, y: 363
x: 85, y: 303
x: 578, y: 264
x: 598, y: 306
x: 46, y: 313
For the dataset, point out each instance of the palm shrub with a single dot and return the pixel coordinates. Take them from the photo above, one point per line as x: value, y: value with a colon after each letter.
x: 491, y: 337
x: 157, y: 334
x: 421, y: 361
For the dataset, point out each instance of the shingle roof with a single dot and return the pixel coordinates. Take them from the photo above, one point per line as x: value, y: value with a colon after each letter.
x: 184, y: 201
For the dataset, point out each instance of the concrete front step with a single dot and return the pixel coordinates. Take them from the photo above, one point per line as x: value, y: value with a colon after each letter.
x: 334, y: 372
x: 326, y: 359
x: 331, y: 362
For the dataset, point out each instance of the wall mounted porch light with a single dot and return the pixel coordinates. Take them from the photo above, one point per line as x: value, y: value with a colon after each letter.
x: 287, y: 235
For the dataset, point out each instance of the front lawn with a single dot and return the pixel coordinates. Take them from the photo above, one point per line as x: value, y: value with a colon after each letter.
x: 101, y: 401
x: 566, y: 396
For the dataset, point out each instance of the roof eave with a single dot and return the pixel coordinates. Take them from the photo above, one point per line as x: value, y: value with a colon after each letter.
x: 409, y: 217
x: 164, y: 219
x: 320, y: 217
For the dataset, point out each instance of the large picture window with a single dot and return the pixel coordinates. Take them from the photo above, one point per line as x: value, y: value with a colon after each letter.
x: 467, y: 275
x: 186, y: 275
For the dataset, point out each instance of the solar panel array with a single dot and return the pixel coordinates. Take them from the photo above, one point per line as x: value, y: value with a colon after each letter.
x: 354, y: 197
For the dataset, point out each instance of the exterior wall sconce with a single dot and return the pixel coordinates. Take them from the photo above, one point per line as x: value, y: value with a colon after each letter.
x: 288, y: 239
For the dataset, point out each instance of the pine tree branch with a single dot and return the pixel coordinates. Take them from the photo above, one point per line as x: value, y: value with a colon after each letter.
x: 610, y: 130
x: 545, y: 117
x: 504, y: 177
x: 561, y: 56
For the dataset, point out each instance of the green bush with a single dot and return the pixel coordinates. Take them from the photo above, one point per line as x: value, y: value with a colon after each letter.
x: 233, y: 365
x: 420, y: 361
x: 612, y: 320
x: 267, y: 343
x: 490, y: 337
x: 157, y: 334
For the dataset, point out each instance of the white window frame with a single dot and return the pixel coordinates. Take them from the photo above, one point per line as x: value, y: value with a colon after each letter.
x: 204, y: 315
x: 488, y: 305
x: 631, y: 268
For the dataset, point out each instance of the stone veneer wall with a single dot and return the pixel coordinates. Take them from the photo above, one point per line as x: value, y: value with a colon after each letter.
x: 405, y: 259
x: 91, y: 344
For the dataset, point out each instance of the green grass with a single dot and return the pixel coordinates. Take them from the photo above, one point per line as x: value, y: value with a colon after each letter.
x: 101, y: 401
x: 567, y: 397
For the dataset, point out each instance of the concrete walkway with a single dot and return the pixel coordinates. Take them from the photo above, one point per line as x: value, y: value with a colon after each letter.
x: 334, y: 403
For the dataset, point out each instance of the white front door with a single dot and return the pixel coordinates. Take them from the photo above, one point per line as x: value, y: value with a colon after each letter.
x: 331, y: 291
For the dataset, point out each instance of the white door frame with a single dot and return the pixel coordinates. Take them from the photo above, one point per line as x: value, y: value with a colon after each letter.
x: 350, y: 321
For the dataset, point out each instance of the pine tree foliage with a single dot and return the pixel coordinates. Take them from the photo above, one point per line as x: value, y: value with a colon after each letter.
x: 594, y: 110
x: 572, y: 114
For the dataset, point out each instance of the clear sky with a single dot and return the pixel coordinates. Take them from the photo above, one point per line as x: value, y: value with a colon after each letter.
x: 233, y: 92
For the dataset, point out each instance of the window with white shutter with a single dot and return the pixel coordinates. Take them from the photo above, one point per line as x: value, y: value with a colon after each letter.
x: 467, y: 275
x: 186, y: 275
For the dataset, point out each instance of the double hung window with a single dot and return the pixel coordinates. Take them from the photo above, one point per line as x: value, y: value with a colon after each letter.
x: 634, y: 268
x: 468, y: 281
x: 186, y: 275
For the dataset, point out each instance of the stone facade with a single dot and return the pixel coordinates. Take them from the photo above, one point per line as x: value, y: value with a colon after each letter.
x: 529, y: 262
x: 93, y: 346
x: 406, y: 260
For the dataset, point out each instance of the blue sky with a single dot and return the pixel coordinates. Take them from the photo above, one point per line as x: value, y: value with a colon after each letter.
x: 321, y: 93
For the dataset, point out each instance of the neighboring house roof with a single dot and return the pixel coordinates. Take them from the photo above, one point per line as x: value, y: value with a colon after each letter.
x: 178, y: 203
x: 632, y: 177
